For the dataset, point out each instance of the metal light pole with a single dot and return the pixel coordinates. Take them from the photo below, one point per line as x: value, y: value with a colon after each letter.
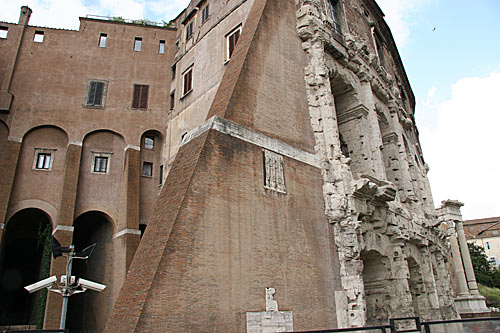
x: 69, y: 285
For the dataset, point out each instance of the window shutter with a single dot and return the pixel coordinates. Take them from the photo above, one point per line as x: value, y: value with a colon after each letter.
x: 137, y: 94
x: 91, y: 96
x: 99, y: 88
x: 144, y: 97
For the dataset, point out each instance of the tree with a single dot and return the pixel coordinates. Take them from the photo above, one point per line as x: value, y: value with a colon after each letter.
x: 486, y: 273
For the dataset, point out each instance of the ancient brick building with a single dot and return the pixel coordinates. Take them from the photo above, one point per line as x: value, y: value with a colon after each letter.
x: 259, y: 143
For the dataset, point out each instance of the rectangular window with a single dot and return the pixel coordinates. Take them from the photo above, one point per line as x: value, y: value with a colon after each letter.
x: 204, y: 13
x: 101, y: 164
x: 174, y: 68
x: 149, y: 142
x: 4, y: 31
x: 96, y: 93
x: 231, y: 40
x: 172, y: 100
x: 160, y: 181
x: 138, y: 44
x: 380, y: 48
x: 43, y: 161
x: 488, y: 245
x: 189, y: 30
x: 140, y: 100
x: 102, y: 40
x: 147, y: 169
x: 161, y: 48
x: 38, y: 38
x: 188, y: 81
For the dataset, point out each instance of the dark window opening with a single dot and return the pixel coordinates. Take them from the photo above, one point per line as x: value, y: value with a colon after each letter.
x: 232, y: 39
x: 189, y: 30
x: 204, y: 13
x: 172, y: 100
x: 160, y: 181
x: 380, y: 48
x: 174, y: 68
x: 188, y: 81
x: 142, y: 228
x: 147, y: 169
x: 140, y: 100
x: 343, y: 146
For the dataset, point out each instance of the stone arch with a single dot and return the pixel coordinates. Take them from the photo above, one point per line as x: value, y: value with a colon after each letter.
x: 152, y: 172
x: 101, y: 171
x: 24, y: 259
x: 376, y: 275
x: 41, y: 166
x: 90, y: 310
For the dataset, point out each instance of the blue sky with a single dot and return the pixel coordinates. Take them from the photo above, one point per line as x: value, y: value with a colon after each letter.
x: 454, y: 71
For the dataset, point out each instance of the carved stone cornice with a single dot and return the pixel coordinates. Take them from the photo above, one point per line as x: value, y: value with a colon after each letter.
x: 356, y: 112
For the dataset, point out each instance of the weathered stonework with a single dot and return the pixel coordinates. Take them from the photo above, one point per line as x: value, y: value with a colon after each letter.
x: 392, y: 255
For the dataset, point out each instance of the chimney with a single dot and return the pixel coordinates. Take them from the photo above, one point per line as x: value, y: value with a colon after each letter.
x: 25, y: 15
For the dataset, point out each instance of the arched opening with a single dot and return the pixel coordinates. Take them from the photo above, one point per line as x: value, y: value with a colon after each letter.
x: 89, y: 310
x: 375, y: 281
x: 417, y: 287
x: 24, y: 259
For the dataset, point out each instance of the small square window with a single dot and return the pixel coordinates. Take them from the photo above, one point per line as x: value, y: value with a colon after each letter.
x: 147, y: 169
x: 102, y: 40
x: 189, y: 30
x: 188, y: 81
x: 4, y: 31
x: 231, y: 40
x: 43, y: 159
x: 138, y: 44
x: 161, y: 48
x: 100, y: 162
x: 149, y: 142
x: 96, y: 93
x: 38, y: 38
x: 140, y: 99
x: 205, y: 12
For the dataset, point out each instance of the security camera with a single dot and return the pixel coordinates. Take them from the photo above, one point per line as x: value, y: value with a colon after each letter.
x: 45, y: 283
x: 86, y: 284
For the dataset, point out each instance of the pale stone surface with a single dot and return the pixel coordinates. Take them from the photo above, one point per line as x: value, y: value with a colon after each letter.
x: 271, y: 320
x: 393, y: 259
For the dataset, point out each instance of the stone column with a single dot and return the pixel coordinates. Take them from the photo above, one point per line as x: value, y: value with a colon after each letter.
x: 469, y: 270
x: 457, y: 261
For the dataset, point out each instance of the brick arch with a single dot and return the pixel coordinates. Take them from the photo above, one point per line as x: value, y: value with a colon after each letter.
x: 41, y: 205
x: 35, y: 182
x: 39, y: 127
x: 103, y: 130
x: 98, y: 209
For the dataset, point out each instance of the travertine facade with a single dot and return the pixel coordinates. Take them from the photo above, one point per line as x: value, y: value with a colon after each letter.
x: 291, y: 159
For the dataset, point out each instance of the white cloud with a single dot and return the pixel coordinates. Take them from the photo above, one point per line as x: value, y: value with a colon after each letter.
x: 398, y: 16
x: 462, y: 149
